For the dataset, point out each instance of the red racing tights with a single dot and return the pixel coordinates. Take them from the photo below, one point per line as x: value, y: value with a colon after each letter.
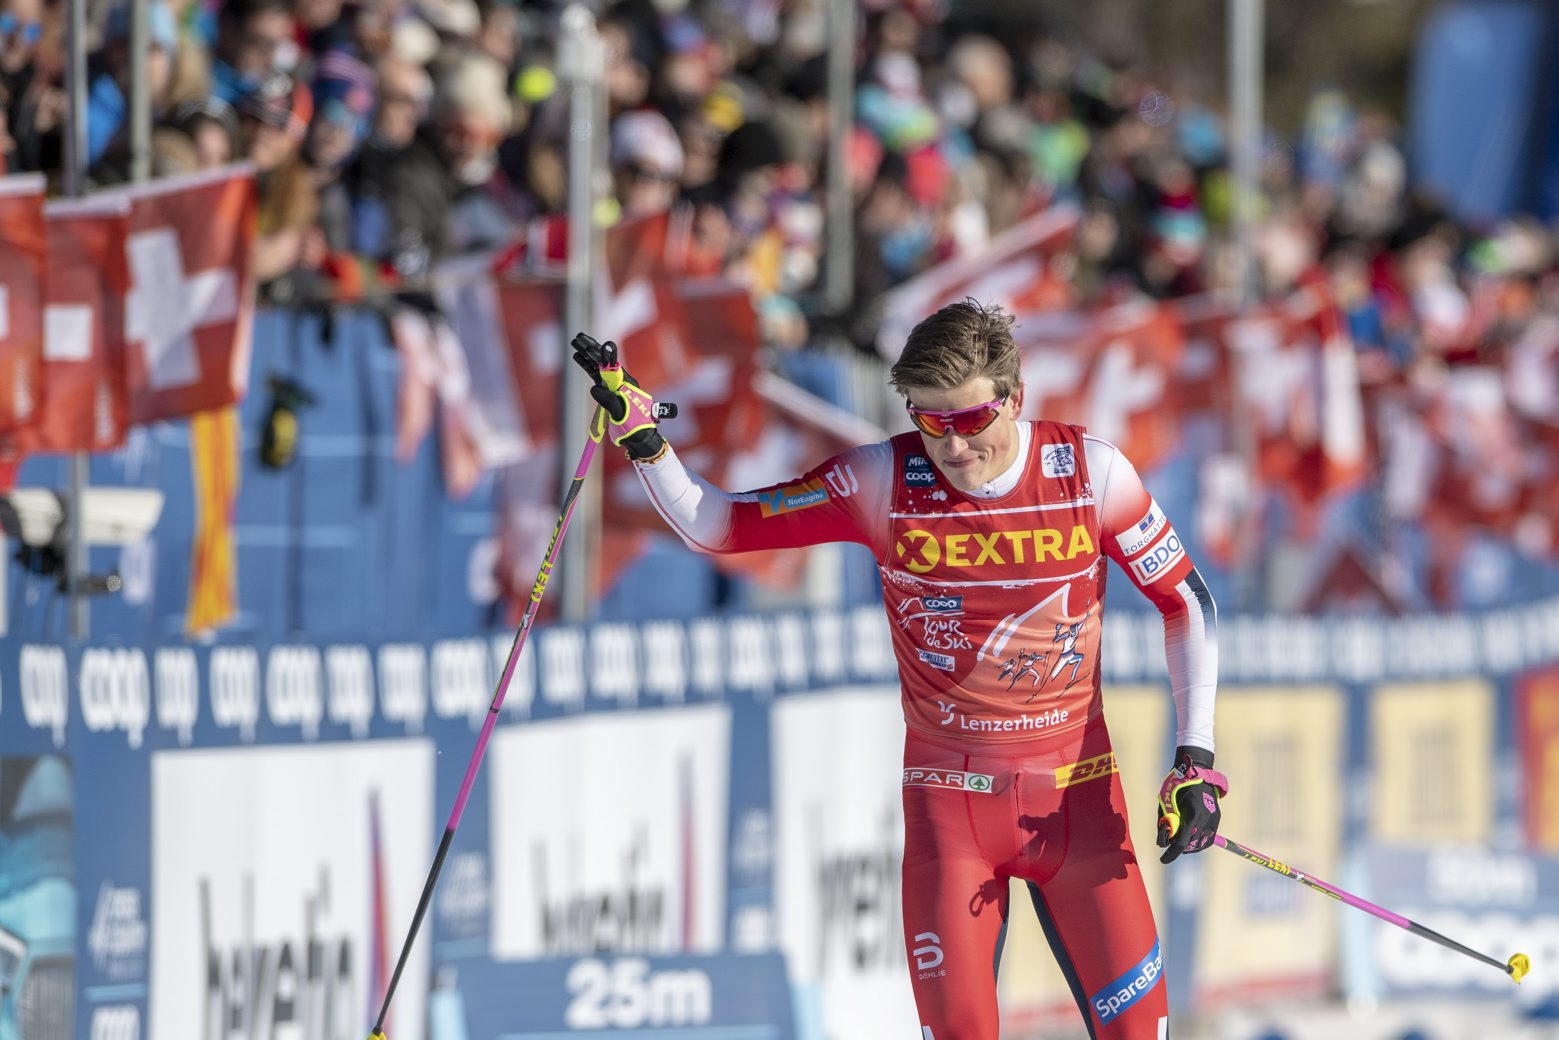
x: 1052, y: 814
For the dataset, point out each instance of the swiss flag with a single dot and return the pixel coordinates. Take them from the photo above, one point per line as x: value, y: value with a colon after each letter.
x: 1113, y: 374
x: 22, y: 264
x: 1023, y: 270
x: 481, y: 418
x: 1298, y: 387
x: 83, y: 404
x: 703, y: 356
x: 189, y: 310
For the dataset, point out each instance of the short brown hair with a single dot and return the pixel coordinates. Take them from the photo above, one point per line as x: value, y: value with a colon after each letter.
x: 962, y: 341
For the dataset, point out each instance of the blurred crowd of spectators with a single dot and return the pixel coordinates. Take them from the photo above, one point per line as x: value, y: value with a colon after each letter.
x: 388, y: 134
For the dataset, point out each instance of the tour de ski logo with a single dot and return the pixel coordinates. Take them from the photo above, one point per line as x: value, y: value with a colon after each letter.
x: 941, y: 621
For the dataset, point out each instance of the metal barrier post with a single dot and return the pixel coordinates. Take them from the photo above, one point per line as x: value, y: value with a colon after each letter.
x: 72, y: 185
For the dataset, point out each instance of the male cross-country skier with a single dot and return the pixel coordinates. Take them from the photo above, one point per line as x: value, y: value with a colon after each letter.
x: 991, y: 535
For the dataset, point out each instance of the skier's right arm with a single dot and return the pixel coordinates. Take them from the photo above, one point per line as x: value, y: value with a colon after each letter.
x: 840, y: 501
x: 843, y: 500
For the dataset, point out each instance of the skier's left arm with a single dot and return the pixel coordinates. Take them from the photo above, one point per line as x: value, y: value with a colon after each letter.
x: 1136, y: 534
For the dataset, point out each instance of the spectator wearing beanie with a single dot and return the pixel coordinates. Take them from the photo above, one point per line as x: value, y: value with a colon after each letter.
x: 211, y: 124
x: 472, y: 115
x: 273, y: 121
x: 343, y: 110
x: 646, y: 161
x: 343, y: 117
x: 746, y: 176
x: 688, y: 72
x: 457, y: 23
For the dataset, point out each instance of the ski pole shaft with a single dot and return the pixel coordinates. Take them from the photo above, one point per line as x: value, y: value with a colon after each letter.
x: 537, y: 591
x: 1517, y: 966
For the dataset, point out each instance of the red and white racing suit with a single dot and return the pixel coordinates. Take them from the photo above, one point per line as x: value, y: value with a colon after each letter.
x: 994, y: 602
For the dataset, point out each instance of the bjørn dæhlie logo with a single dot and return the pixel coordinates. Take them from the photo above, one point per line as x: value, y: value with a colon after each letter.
x: 929, y: 955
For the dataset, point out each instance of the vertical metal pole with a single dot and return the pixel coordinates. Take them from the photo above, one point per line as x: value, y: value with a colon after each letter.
x: 1246, y: 18
x: 581, y: 62
x: 140, y: 92
x: 825, y: 582
x: 72, y: 177
x: 1246, y: 36
x: 839, y: 263
x: 72, y: 185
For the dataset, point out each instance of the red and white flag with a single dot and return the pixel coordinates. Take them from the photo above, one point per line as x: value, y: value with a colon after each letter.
x: 83, y: 407
x: 699, y: 350
x: 523, y: 325
x: 531, y: 314
x: 1201, y: 380
x: 1113, y: 374
x: 189, y: 312
x: 500, y: 344
x: 23, y: 248
x: 1023, y: 270
x: 1297, y: 387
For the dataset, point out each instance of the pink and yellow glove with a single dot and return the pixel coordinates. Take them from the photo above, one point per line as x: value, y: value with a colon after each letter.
x: 1188, y: 812
x: 630, y: 413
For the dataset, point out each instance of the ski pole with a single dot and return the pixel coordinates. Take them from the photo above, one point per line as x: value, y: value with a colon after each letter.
x: 597, y: 428
x: 1516, y: 967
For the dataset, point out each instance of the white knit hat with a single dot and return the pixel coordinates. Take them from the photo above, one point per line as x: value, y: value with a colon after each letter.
x: 645, y: 137
x: 476, y: 86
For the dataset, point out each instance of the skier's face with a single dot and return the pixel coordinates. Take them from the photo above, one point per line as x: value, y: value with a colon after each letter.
x: 967, y: 462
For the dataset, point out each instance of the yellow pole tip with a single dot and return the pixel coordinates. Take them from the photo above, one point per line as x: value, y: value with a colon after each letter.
x: 1518, y: 965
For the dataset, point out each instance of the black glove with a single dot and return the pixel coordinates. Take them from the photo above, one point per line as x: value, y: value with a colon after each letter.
x: 632, y: 412
x: 1188, y: 812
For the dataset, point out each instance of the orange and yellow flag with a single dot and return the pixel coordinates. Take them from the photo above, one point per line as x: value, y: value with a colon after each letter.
x: 213, y: 572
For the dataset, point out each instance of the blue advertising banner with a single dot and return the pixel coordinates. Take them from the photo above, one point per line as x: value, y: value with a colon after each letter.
x: 685, y: 825
x: 726, y: 997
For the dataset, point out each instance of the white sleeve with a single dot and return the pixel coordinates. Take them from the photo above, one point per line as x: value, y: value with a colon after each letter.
x: 843, y: 499
x: 698, y: 511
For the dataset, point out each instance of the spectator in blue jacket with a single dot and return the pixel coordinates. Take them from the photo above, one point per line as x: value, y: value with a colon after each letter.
x: 108, y: 103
